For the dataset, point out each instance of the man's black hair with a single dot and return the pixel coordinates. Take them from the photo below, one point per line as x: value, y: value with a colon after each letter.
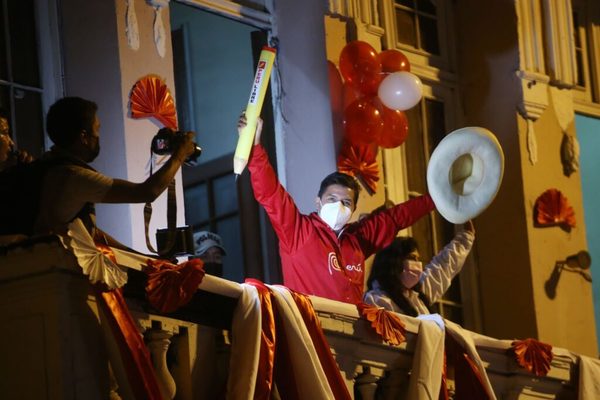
x: 339, y: 178
x: 68, y: 117
x: 4, y: 113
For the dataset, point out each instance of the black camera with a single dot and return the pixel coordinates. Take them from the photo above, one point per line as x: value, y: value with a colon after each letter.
x: 166, y: 141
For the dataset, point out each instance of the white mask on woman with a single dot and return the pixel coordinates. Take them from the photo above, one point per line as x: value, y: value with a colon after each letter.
x: 336, y: 215
x: 411, y: 273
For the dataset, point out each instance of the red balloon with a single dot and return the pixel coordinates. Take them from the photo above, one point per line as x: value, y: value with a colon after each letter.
x: 360, y: 66
x: 363, y: 122
x: 351, y: 94
x: 336, y: 88
x: 395, y: 127
x: 393, y: 61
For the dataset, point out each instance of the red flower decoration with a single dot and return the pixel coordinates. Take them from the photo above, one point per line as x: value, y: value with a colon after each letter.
x: 150, y: 97
x: 387, y: 324
x: 171, y: 286
x: 361, y: 162
x: 553, y: 209
x: 533, y: 355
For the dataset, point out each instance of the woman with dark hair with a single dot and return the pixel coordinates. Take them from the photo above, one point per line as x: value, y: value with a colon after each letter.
x: 398, y: 282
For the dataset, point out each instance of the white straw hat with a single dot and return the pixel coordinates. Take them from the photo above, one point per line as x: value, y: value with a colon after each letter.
x: 464, y: 173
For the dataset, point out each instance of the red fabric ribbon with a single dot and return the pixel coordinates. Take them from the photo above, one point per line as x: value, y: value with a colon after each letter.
x: 467, y: 379
x: 135, y: 356
x: 330, y: 367
x: 266, y: 364
x: 360, y: 161
x: 172, y: 286
x: 150, y: 97
x: 387, y: 324
x: 533, y: 355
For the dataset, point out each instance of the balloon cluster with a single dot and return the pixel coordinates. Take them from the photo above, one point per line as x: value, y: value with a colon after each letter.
x: 376, y: 89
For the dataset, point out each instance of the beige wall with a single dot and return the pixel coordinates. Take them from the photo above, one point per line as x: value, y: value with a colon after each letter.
x: 99, y: 65
x: 515, y: 258
x: 568, y: 319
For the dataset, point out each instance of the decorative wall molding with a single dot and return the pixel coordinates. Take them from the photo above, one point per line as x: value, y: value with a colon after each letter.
x: 230, y: 9
x: 534, y: 90
x: 533, y: 81
x: 560, y: 45
x: 363, y: 11
x: 531, y: 39
x: 533, y: 103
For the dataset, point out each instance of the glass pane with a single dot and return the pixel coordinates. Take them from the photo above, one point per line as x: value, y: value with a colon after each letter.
x: 28, y: 126
x: 415, y: 149
x: 427, y: 6
x: 452, y: 313
x: 23, y: 42
x: 429, y: 34
x: 3, y: 55
x: 217, y: 75
x: 225, y: 191
x: 453, y: 293
x: 405, y: 27
x: 422, y: 232
x: 196, y: 204
x: 436, y: 127
x: 233, y: 263
x: 580, y: 71
x: 5, y: 99
x: 406, y: 3
x: 576, y: 29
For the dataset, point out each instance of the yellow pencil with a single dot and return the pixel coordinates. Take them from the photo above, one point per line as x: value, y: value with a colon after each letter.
x: 253, y: 109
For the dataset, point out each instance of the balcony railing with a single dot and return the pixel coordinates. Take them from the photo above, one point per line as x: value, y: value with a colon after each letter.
x: 55, y: 345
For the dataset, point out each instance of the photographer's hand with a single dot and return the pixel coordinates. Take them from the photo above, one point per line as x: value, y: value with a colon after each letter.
x: 146, y: 192
x: 186, y: 148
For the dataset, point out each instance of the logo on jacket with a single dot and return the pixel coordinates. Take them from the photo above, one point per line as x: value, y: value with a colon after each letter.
x: 333, y: 264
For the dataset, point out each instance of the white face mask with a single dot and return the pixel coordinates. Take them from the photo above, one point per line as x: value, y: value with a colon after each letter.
x: 336, y: 215
x: 411, y: 273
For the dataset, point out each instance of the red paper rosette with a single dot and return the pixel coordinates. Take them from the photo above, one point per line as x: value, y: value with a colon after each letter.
x: 171, y: 286
x: 552, y: 208
x: 533, y: 355
x: 361, y: 162
x: 150, y: 97
x: 387, y: 324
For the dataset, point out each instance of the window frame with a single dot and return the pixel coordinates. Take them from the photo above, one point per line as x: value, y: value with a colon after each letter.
x: 422, y: 62
x: 50, y: 63
x: 439, y: 84
x: 587, y: 98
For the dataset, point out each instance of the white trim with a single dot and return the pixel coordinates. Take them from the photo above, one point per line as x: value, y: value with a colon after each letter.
x: 562, y: 66
x: 49, y: 56
x: 531, y: 41
x: 233, y: 10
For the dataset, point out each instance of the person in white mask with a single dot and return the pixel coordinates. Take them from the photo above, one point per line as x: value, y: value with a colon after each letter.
x: 322, y: 254
x: 398, y: 282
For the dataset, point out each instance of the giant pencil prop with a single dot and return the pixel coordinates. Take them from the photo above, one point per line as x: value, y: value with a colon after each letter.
x: 257, y: 96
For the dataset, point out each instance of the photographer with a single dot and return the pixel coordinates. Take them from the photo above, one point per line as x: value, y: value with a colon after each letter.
x: 8, y: 155
x: 74, y: 127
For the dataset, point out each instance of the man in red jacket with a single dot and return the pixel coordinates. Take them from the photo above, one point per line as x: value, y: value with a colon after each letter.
x: 321, y: 253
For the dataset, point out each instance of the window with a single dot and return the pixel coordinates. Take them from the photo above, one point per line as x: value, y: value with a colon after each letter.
x: 587, y: 54
x: 417, y: 25
x: 214, y: 58
x: 427, y: 129
x: 20, y: 84
x: 422, y: 29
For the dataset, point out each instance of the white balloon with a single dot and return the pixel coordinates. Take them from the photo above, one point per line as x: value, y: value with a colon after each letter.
x: 400, y: 90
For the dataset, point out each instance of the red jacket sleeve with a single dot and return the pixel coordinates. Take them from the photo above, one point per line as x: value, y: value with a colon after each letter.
x: 379, y: 230
x: 279, y: 205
